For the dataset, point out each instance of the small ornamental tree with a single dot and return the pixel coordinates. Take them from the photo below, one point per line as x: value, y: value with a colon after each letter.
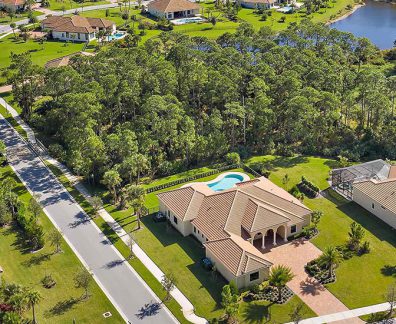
x: 83, y: 280
x: 315, y: 218
x: 230, y: 303
x: 55, y: 239
x: 168, y: 283
x: 356, y: 235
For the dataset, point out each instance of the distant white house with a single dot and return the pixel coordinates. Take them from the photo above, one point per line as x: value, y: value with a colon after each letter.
x: 258, y: 4
x: 173, y: 9
x: 77, y: 28
x: 372, y: 185
x: 17, y: 5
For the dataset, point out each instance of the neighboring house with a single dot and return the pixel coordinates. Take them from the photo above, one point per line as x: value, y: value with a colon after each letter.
x: 17, y: 5
x: 258, y: 4
x: 77, y: 28
x: 237, y: 225
x: 172, y: 9
x: 372, y: 185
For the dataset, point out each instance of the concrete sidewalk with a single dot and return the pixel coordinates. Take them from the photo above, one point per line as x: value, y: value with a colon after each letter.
x: 347, y: 315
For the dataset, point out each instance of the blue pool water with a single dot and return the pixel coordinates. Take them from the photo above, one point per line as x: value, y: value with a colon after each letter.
x: 226, y: 183
x: 115, y: 36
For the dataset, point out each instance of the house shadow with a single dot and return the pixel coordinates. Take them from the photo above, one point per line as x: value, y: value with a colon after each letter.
x: 255, y: 313
x: 370, y: 222
x: 167, y: 235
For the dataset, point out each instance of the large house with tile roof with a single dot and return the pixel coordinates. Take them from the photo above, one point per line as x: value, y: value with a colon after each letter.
x: 172, y: 9
x: 238, y: 225
x: 16, y: 5
x: 372, y: 185
x: 77, y: 28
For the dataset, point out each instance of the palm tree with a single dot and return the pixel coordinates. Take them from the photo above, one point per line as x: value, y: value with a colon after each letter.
x: 135, y: 196
x: 280, y: 275
x: 33, y: 298
x: 331, y: 258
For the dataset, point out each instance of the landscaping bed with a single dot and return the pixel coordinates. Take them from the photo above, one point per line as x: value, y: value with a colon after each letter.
x: 270, y: 294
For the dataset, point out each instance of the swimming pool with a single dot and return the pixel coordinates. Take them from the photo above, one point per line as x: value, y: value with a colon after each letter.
x: 285, y: 9
x: 116, y: 36
x: 189, y: 20
x: 226, y: 182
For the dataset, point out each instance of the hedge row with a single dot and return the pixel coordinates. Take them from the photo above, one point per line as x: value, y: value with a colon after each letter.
x: 308, y: 188
x: 192, y: 178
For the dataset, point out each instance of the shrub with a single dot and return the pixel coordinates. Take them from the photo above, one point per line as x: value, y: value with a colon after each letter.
x: 48, y: 282
x: 233, y: 158
x: 57, y: 151
x: 365, y: 248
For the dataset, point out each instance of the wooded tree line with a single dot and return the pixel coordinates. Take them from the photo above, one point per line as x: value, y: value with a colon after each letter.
x: 180, y: 101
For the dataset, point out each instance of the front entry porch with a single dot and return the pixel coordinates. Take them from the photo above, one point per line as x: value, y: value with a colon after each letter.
x: 271, y: 237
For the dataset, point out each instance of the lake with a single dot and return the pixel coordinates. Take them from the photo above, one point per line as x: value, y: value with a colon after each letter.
x: 375, y: 20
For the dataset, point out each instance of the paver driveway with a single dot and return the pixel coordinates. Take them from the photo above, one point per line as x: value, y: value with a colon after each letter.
x: 296, y: 254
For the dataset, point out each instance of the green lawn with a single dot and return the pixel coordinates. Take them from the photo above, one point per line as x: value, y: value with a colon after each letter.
x: 41, y: 53
x: 69, y: 4
x: 361, y: 281
x: 60, y: 304
x: 6, y: 20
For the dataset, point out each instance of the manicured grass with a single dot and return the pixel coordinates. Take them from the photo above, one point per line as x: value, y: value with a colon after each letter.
x: 40, y: 53
x: 13, y: 122
x: 69, y: 4
x: 62, y: 303
x: 6, y: 20
x: 363, y: 280
x: 313, y: 168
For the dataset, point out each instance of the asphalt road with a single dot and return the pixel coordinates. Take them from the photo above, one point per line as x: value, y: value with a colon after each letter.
x: 133, y: 298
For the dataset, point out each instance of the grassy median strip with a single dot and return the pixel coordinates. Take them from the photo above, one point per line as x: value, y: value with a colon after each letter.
x: 4, y: 112
x: 136, y: 264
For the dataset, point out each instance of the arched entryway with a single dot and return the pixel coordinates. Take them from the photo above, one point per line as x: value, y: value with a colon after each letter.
x: 282, y: 232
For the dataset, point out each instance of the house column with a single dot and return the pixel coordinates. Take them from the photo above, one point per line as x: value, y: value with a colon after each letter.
x: 263, y: 242
x: 285, y: 238
x: 274, y: 237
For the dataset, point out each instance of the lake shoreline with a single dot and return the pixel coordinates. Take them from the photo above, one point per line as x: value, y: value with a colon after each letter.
x: 347, y: 14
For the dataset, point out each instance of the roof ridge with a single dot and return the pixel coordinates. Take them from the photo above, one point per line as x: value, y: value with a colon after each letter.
x: 255, y: 197
x: 302, y: 205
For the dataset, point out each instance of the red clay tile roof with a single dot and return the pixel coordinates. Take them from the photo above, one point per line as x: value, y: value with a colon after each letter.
x: 172, y: 5
x: 13, y: 2
x: 177, y: 200
x: 75, y: 24
x: 237, y: 255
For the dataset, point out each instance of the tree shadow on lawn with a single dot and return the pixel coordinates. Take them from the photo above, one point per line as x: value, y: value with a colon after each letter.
x: 388, y: 270
x: 363, y: 217
x: 20, y: 242
x: 37, y: 259
x: 281, y: 162
x: 167, y: 235
x: 255, y: 313
x: 62, y: 307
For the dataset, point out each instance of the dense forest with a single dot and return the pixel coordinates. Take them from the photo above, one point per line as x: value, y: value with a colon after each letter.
x: 178, y: 101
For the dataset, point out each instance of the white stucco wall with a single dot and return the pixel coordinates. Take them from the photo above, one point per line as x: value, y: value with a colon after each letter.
x: 367, y: 203
x: 73, y: 36
x: 184, y: 227
x: 241, y: 281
